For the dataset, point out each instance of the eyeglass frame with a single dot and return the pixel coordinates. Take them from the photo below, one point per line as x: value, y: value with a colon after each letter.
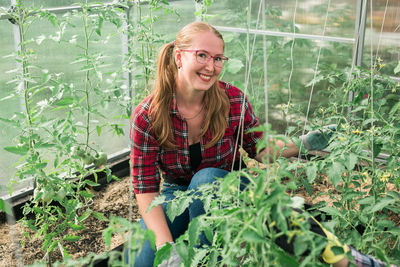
x: 207, y: 58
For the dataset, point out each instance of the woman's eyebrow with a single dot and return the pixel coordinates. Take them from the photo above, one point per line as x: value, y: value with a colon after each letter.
x: 202, y: 50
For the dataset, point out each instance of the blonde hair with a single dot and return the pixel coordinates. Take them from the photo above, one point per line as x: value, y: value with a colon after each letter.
x: 215, y: 98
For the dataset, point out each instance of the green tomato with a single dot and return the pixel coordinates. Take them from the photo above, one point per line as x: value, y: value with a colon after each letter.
x: 61, y: 194
x: 48, y: 195
x: 38, y: 193
x: 100, y: 159
x: 88, y: 159
x: 77, y: 151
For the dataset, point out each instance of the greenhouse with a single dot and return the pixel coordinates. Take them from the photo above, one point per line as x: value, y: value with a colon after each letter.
x: 200, y: 133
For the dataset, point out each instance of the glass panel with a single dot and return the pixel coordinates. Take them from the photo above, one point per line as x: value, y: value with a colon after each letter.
x: 159, y: 24
x: 310, y: 16
x: 9, y: 106
x: 54, y: 54
x: 5, y: 3
x: 171, y: 24
x: 334, y: 56
x: 58, y: 56
x: 382, y: 49
x: 384, y: 37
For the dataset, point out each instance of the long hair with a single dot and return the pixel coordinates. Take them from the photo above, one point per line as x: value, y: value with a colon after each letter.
x: 216, y: 100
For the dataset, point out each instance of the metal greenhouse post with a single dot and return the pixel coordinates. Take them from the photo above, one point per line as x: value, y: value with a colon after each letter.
x: 359, y: 34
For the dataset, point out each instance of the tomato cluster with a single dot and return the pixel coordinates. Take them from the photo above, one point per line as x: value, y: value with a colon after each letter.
x: 98, y: 159
x: 47, y: 194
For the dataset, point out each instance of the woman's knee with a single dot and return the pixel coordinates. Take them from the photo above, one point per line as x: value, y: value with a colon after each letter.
x: 206, y: 176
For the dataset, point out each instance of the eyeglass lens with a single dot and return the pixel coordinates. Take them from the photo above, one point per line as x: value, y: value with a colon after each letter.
x: 203, y: 57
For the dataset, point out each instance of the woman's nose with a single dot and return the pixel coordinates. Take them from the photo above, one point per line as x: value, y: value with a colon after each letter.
x: 210, y: 64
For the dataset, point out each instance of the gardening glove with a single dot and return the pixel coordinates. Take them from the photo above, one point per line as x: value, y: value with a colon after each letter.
x: 329, y: 255
x: 174, y: 260
x: 318, y: 140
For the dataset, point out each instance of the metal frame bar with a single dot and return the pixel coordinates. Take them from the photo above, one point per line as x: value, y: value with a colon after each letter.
x: 64, y: 9
x: 359, y: 35
x: 360, y: 27
x: 288, y: 34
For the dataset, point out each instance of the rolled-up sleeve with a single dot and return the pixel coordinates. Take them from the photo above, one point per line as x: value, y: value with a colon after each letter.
x: 144, y: 153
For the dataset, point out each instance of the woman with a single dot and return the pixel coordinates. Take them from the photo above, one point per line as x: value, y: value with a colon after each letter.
x: 187, y: 130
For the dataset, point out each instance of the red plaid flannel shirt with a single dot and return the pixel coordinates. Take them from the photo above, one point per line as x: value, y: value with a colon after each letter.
x: 148, y: 158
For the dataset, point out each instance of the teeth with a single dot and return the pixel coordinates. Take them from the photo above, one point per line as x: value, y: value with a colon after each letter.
x: 205, y: 77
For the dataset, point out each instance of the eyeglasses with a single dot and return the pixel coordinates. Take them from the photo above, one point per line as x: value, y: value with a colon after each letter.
x: 203, y: 57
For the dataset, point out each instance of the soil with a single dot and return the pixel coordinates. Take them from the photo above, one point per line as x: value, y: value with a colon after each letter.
x: 113, y: 199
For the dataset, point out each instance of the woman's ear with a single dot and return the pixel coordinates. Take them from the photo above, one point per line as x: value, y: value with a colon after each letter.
x: 178, y: 57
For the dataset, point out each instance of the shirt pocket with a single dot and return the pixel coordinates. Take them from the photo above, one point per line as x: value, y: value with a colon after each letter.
x: 174, y: 162
x: 221, y: 154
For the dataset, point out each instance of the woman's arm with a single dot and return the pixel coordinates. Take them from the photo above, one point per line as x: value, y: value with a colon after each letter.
x: 155, y: 219
x: 274, y: 151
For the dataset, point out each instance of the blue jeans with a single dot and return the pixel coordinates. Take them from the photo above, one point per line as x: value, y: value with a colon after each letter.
x: 180, y: 224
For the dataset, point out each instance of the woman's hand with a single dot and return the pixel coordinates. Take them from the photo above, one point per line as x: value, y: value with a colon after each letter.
x: 318, y: 139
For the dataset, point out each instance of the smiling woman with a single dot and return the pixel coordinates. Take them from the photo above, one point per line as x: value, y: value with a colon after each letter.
x: 187, y: 130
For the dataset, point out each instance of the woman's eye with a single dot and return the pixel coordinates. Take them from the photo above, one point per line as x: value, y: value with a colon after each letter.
x: 218, y: 58
x: 202, y: 55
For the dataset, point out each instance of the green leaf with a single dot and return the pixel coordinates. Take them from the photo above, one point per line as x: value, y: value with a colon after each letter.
x: 234, y: 65
x: 331, y: 211
x: 19, y: 150
x: 72, y: 238
x: 100, y: 216
x: 5, y: 207
x: 394, y: 109
x: 98, y: 128
x: 86, y: 194
x: 382, y: 204
x: 84, y: 216
x: 366, y: 201
x: 11, y: 122
x: 99, y: 25
x: 213, y: 258
x: 163, y: 254
x: 53, y: 245
x: 184, y: 252
x: 380, y: 253
x: 286, y: 260
x: 311, y: 171
x: 397, y: 69
x: 385, y: 223
x: 194, y: 231
x: 65, y: 102
x: 107, y: 235
x: 177, y: 207
x: 46, y: 243
x: 337, y: 250
x: 91, y: 183
x: 75, y: 227
x: 335, y: 173
x: 253, y: 237
x: 299, y: 245
x: 377, y: 148
x: 307, y: 186
x: 157, y: 201
x: 351, y: 161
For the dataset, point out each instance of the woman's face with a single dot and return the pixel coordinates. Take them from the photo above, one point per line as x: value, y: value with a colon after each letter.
x: 195, y: 76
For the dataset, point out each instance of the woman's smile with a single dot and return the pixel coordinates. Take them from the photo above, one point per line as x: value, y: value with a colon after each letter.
x: 205, y: 77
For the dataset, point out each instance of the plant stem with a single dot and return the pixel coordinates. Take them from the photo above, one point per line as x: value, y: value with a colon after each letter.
x: 87, y: 75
